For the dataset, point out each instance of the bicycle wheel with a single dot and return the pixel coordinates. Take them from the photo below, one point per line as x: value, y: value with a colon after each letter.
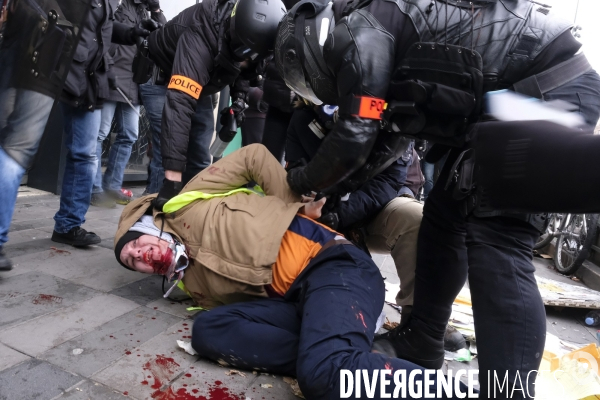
x: 548, y: 235
x: 575, y: 241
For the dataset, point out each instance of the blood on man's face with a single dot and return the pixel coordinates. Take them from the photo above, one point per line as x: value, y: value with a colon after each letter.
x: 147, y: 254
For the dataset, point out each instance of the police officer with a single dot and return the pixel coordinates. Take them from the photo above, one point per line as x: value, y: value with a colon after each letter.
x: 202, y: 50
x: 431, y: 61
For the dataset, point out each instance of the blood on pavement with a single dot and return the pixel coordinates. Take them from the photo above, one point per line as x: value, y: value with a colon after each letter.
x: 162, y: 369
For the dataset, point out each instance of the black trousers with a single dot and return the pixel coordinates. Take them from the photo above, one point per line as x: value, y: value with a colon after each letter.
x: 325, y: 324
x: 496, y: 256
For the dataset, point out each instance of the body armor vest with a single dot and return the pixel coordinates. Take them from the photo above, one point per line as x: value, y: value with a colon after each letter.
x: 508, y: 34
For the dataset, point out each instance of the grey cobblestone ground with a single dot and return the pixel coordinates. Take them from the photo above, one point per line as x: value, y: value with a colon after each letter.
x: 75, y: 325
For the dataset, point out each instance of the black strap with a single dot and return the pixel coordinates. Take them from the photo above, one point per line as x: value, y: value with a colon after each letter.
x: 540, y: 84
x: 299, y: 36
x: 314, y: 46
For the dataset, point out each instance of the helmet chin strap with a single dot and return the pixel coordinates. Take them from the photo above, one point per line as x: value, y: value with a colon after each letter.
x: 178, y: 265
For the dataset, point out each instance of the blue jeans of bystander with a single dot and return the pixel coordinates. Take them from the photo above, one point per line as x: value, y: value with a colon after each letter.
x: 126, y: 127
x: 81, y: 136
x: 23, y: 117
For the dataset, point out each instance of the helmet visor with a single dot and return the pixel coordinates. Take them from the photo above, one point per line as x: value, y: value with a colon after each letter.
x: 295, y: 79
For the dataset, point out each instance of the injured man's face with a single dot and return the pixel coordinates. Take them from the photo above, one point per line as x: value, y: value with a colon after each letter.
x: 147, y: 254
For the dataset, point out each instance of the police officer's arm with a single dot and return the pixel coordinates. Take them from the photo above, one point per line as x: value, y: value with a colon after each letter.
x: 190, y: 73
x: 361, y: 54
x: 372, y: 197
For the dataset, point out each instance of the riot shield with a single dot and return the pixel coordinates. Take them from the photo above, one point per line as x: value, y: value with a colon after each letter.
x: 38, y: 39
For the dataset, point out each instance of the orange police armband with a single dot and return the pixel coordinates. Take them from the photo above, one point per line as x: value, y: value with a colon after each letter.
x: 363, y: 106
x: 185, y: 85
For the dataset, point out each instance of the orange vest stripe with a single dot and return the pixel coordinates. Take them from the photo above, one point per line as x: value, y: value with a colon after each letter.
x: 185, y: 85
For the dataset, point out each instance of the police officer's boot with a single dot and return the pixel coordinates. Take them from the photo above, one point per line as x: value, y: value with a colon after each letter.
x: 412, y: 344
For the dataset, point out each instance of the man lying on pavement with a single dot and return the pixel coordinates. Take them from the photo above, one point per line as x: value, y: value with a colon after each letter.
x: 311, y: 298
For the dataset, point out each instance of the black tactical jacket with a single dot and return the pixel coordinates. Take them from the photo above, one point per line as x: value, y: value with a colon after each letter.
x: 87, y: 83
x: 346, y: 154
x: 130, y: 13
x: 187, y: 48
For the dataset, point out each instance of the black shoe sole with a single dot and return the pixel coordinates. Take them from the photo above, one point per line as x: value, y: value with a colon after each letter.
x: 59, y: 239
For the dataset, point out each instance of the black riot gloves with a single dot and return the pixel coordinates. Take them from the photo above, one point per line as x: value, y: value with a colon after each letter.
x: 236, y: 109
x: 296, y: 178
x: 168, y: 190
x: 143, y: 29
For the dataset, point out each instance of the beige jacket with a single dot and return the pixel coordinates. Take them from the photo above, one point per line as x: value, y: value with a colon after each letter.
x: 232, y: 241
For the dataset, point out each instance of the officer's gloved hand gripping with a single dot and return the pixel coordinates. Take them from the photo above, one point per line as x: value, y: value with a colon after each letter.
x: 352, y: 69
x: 143, y: 29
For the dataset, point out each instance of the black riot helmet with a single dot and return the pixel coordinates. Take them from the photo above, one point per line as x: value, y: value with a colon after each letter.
x: 253, y: 27
x: 299, y: 51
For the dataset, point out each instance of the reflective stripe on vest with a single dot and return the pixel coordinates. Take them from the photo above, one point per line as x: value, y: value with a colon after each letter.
x: 183, y: 199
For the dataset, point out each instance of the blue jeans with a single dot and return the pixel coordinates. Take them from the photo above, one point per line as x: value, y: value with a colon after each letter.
x: 81, y: 136
x: 201, y: 133
x: 127, y: 126
x: 23, y: 118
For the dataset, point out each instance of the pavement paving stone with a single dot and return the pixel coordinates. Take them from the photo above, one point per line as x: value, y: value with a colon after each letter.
x: 144, y: 291
x: 207, y: 380
x: 108, y: 243
x: 174, y: 308
x: 160, y: 361
x: 35, y: 379
x: 33, y: 246
x: 30, y: 295
x: 38, y: 260
x: 90, y: 390
x: 93, y: 351
x: 10, y: 357
x: 113, y: 219
x: 33, y: 212
x: 97, y: 213
x: 41, y: 334
x: 33, y: 224
x: 270, y: 387
x: 379, y: 259
x: 94, y: 267
x: 565, y: 324
x: 27, y: 235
